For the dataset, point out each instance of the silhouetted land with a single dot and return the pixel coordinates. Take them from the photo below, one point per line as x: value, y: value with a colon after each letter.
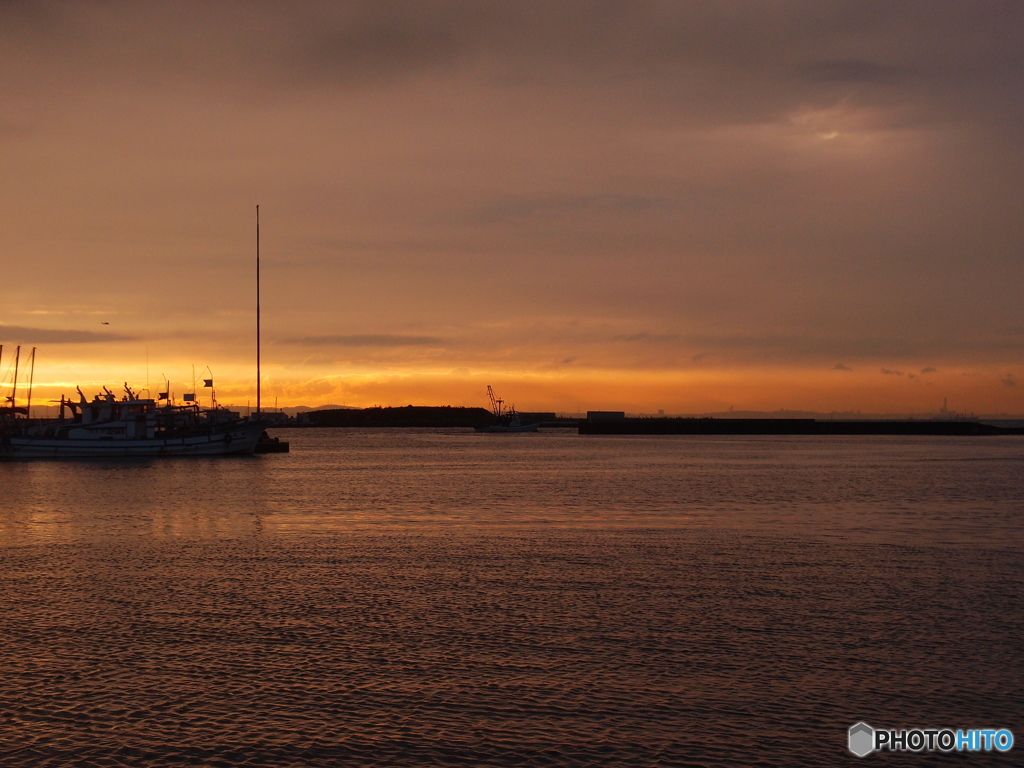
x: 454, y: 417
x: 419, y: 416
x: 409, y: 416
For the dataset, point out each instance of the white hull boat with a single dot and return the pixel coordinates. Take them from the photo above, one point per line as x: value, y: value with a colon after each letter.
x: 131, y: 426
x: 235, y: 441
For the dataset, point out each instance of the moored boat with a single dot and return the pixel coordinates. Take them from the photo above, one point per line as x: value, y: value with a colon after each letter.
x: 506, y: 419
x: 108, y: 427
x: 513, y: 425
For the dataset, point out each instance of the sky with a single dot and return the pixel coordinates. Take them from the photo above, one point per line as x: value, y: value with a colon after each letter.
x: 640, y: 206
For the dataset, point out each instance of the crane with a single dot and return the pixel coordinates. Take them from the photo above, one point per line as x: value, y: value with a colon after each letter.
x: 495, y: 402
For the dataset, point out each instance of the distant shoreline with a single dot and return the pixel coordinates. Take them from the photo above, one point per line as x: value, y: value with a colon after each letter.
x: 459, y: 417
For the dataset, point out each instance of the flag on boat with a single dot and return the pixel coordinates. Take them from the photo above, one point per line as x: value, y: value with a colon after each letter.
x: 189, y: 397
x: 207, y: 382
x: 162, y: 395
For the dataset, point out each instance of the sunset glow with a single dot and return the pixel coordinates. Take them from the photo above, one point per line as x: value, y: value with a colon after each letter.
x: 654, y: 207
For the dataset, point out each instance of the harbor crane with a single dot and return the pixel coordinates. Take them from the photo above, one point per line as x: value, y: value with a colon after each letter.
x: 496, y: 402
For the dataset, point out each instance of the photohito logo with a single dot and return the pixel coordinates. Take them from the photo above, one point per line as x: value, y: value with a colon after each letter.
x: 862, y: 740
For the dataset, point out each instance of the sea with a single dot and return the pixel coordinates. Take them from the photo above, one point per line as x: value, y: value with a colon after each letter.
x: 447, y: 598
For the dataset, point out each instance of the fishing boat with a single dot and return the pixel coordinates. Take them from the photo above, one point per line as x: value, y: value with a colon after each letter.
x: 514, y: 424
x: 507, y: 419
x: 108, y: 427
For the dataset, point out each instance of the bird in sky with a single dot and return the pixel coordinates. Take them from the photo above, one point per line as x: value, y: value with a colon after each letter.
x: 104, y: 322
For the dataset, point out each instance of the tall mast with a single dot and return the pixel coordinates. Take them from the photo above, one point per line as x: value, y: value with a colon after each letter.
x: 258, y: 377
x: 14, y: 386
x: 31, y: 379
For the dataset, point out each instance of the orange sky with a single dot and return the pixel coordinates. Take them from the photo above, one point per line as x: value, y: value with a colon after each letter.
x: 638, y: 206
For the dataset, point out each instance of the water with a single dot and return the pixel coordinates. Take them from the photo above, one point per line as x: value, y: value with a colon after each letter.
x: 389, y: 598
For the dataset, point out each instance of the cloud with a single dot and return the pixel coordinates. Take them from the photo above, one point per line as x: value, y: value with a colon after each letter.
x: 657, y: 338
x: 855, y: 71
x: 929, y: 369
x: 805, y: 346
x: 708, y: 61
x: 512, y: 210
x: 372, y: 50
x: 1009, y: 381
x: 365, y: 340
x: 439, y: 167
x: 19, y: 334
x: 889, y: 372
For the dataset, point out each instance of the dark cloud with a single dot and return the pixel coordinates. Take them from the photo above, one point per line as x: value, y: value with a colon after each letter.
x: 707, y: 61
x: 841, y: 367
x: 929, y: 369
x: 512, y: 210
x: 890, y: 372
x: 1009, y: 380
x: 855, y: 71
x: 23, y: 335
x: 365, y: 340
x: 371, y: 44
x: 798, y: 346
x: 801, y: 347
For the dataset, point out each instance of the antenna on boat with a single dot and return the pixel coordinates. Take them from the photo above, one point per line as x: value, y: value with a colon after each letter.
x: 258, y: 377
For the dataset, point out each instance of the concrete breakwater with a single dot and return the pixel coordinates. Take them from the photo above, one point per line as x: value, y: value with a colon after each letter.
x: 711, y: 426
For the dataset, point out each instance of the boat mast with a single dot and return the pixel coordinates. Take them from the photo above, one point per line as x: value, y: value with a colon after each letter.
x: 258, y: 377
x: 14, y: 386
x: 31, y: 379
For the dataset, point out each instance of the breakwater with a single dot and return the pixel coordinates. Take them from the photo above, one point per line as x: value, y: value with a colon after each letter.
x: 710, y: 426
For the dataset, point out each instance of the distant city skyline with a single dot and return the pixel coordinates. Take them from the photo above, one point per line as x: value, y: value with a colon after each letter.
x: 588, y: 205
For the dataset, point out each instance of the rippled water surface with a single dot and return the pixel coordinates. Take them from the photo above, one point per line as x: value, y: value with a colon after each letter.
x: 389, y: 598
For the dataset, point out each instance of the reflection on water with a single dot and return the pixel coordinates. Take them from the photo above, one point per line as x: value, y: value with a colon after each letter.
x: 934, y: 490
x: 423, y: 598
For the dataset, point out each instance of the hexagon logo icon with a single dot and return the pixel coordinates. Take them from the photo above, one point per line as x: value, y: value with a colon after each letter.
x: 861, y: 739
